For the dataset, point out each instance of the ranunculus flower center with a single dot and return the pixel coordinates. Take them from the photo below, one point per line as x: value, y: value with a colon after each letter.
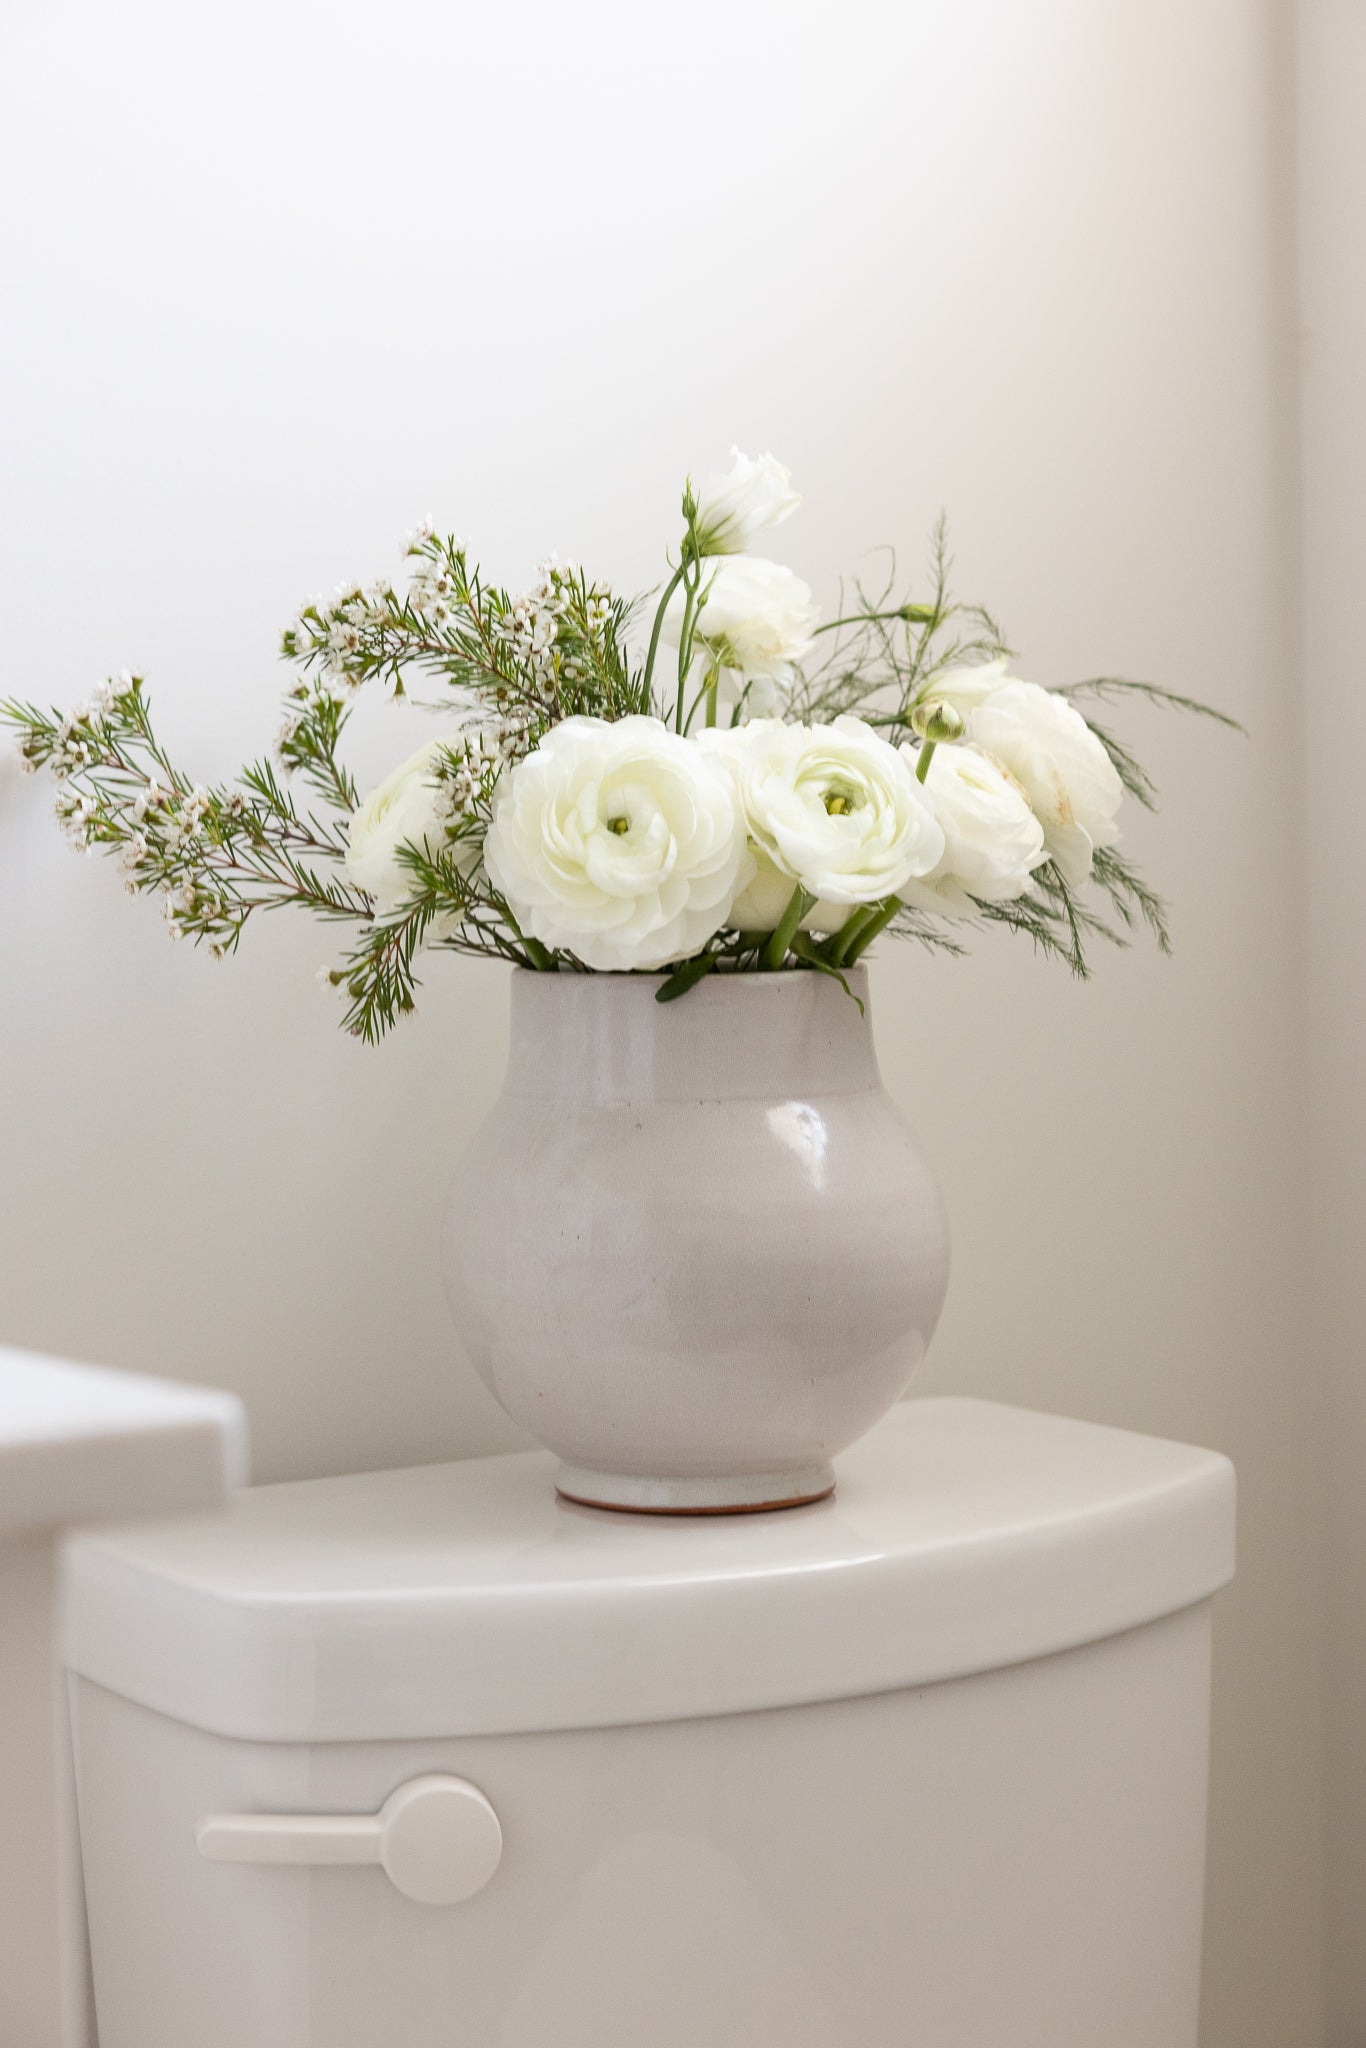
x: 619, y: 842
x: 833, y: 807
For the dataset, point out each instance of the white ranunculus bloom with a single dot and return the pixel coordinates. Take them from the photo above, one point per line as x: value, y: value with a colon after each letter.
x: 966, y: 687
x: 992, y: 840
x: 760, y: 904
x: 408, y: 808
x: 760, y: 907
x: 1059, y: 763
x: 833, y: 807
x: 751, y: 497
x: 621, y: 843
x: 755, y: 618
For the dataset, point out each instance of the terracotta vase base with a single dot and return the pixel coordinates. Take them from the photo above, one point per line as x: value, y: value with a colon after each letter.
x: 761, y: 1493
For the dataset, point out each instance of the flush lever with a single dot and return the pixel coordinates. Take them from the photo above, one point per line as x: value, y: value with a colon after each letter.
x: 437, y: 1839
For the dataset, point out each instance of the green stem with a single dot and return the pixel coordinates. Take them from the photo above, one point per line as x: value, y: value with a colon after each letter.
x: 775, y: 952
x: 878, y: 922
x: 737, y: 709
x: 692, y: 577
x: 837, y: 947
x: 914, y: 614
x: 669, y: 589
x: 692, y: 709
x: 922, y: 766
x: 541, y: 958
x: 712, y: 681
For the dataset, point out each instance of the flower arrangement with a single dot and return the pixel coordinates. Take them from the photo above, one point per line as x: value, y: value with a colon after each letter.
x: 749, y: 789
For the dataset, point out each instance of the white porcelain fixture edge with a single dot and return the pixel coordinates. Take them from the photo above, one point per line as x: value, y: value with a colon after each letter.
x: 77, y: 1443
x: 821, y: 1870
x: 81, y: 1442
x: 965, y: 1536
x: 694, y: 1249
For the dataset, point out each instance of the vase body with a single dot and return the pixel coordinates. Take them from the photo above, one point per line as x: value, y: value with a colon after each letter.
x: 694, y: 1249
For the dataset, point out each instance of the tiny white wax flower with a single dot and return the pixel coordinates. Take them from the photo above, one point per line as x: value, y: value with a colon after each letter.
x: 833, y: 807
x: 992, y: 840
x: 755, y: 618
x: 343, y: 638
x: 752, y: 496
x: 620, y: 843
x: 409, y: 808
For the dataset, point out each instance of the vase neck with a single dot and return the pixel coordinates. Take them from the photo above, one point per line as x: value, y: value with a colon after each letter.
x: 603, y: 1038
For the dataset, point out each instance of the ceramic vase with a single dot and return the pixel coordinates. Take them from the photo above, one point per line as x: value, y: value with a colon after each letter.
x: 695, y: 1249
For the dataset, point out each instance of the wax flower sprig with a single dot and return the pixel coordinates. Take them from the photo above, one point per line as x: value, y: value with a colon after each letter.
x: 752, y: 790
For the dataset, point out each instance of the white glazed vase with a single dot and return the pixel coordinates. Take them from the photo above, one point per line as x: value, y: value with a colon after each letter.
x: 694, y: 1249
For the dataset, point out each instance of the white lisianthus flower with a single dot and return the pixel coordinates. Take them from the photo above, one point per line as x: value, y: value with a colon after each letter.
x: 755, y: 619
x: 992, y: 840
x: 410, y: 807
x: 833, y: 807
x: 621, y: 843
x: 751, y: 497
x: 1059, y: 763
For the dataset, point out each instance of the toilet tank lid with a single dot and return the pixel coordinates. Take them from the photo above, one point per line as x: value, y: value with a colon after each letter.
x: 465, y: 1599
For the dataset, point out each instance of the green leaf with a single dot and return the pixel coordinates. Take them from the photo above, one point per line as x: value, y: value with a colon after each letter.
x: 805, y: 948
x: 685, y: 976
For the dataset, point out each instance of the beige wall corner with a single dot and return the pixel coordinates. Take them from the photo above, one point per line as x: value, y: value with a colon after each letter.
x: 1332, y: 226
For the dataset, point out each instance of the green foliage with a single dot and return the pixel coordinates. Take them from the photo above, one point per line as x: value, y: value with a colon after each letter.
x: 558, y: 652
x: 511, y: 667
x: 1134, y: 902
x: 214, y: 854
x: 1126, y: 687
x: 684, y: 977
x: 887, y: 648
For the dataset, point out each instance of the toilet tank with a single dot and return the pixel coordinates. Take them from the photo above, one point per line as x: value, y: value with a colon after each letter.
x: 425, y: 1758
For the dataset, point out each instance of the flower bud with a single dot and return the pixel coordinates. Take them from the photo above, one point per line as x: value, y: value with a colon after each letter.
x: 936, y: 722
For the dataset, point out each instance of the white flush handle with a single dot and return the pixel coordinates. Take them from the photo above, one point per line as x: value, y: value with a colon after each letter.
x: 437, y: 1839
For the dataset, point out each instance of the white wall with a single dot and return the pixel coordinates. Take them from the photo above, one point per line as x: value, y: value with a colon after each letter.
x: 1332, y: 92
x: 284, y: 278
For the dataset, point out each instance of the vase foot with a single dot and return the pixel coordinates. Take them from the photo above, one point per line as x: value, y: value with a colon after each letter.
x: 754, y: 1493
